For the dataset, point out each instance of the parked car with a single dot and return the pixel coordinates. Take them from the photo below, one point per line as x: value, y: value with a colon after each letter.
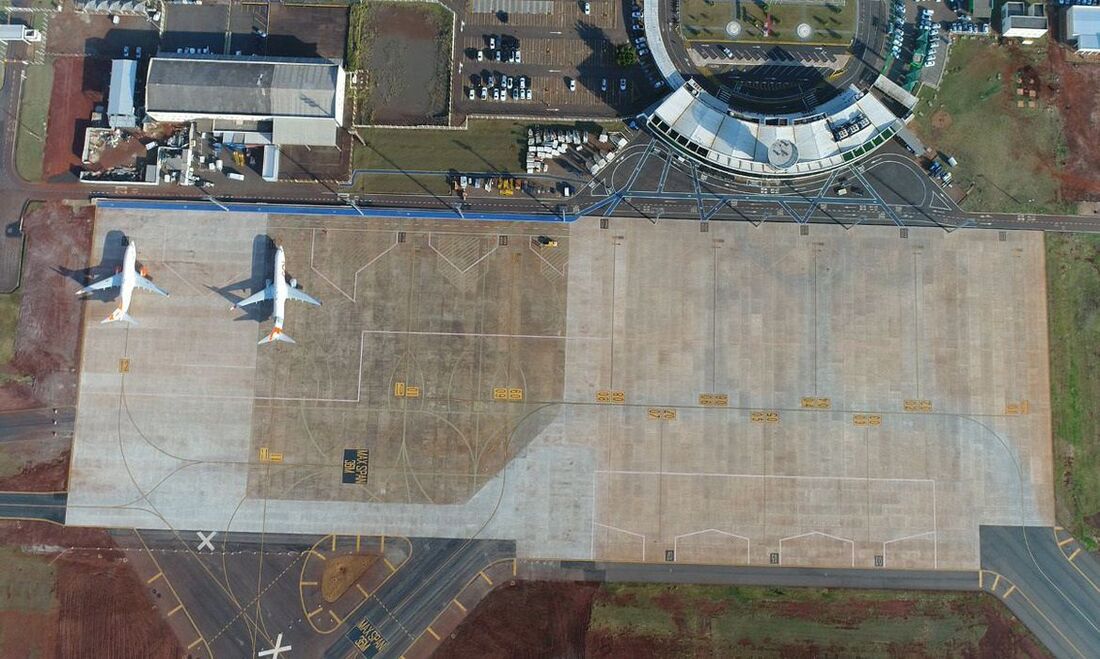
x: 572, y: 85
x: 622, y: 84
x: 472, y: 93
x: 603, y: 84
x: 587, y: 8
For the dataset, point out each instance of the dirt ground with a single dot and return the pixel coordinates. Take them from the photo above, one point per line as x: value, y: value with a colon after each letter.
x: 530, y: 619
x: 625, y: 620
x: 407, y: 64
x: 79, y: 84
x: 48, y: 336
x: 97, y: 607
x: 1077, y: 86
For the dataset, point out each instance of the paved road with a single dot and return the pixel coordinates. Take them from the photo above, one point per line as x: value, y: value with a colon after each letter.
x: 25, y: 425
x: 759, y: 576
x: 45, y: 506
x: 425, y: 585
x: 1054, y: 590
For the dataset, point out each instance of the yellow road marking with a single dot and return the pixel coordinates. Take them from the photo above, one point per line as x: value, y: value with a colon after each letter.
x: 486, y: 578
x: 514, y: 566
x: 174, y: 610
x: 1066, y: 541
x: 318, y: 554
x: 1010, y: 590
x: 996, y: 580
x: 334, y: 542
x: 309, y: 583
x: 432, y: 632
x: 357, y: 538
x: 195, y: 642
x: 362, y: 590
x: 335, y: 617
x: 389, y: 564
x: 981, y: 575
x: 383, y: 544
x: 459, y: 605
x: 1057, y: 528
x: 314, y: 612
x: 1074, y: 554
x: 124, y: 365
x: 153, y: 578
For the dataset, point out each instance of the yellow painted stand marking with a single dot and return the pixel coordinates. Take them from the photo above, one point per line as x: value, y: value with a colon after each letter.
x: 195, y: 642
x: 714, y: 400
x: 867, y: 419
x: 362, y: 590
x: 174, y: 610
x: 124, y: 365
x: 661, y: 414
x: 767, y: 416
x: 917, y: 406
x: 399, y: 389
x: 606, y: 396
x: 1010, y: 590
x: 459, y: 605
x: 815, y: 403
x: 486, y: 578
x: 153, y: 578
x: 432, y: 632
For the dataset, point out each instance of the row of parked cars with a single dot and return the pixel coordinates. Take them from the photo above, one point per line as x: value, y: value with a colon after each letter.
x: 499, y: 87
x: 501, y: 48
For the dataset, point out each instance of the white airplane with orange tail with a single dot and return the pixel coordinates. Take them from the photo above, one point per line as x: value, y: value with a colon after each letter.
x: 125, y: 279
x: 278, y: 291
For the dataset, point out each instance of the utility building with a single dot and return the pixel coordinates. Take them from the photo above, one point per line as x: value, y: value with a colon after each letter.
x: 292, y: 101
x: 1020, y: 20
x: 120, y: 97
x: 16, y: 32
x: 1083, y: 28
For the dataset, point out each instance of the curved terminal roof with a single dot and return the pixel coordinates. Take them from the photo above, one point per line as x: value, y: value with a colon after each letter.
x: 710, y: 132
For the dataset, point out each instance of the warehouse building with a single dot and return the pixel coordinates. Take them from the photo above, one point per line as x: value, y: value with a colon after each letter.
x: 288, y: 101
x: 120, y: 96
x: 1083, y: 28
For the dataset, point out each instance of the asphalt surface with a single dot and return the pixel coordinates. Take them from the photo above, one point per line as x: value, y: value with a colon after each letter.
x: 770, y: 576
x: 23, y: 425
x: 406, y: 604
x: 1056, y: 596
x: 44, y: 506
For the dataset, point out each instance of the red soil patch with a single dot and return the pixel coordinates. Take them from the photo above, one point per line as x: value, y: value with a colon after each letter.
x: 103, y: 610
x: 1076, y: 87
x: 526, y: 620
x: 51, y: 476
x: 78, y: 86
x: 47, y: 342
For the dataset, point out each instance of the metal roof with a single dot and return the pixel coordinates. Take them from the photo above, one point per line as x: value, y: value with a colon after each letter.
x: 120, y: 97
x: 221, y: 85
x: 1083, y: 24
x: 298, y: 130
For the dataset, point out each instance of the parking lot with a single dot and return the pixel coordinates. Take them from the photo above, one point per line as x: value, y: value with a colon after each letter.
x: 566, y: 60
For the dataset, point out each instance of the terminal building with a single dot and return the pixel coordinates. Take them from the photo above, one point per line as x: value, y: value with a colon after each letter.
x: 274, y: 100
x: 724, y: 140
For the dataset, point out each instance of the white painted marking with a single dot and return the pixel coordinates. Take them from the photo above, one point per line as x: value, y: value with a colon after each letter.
x: 206, y: 544
x: 277, y: 650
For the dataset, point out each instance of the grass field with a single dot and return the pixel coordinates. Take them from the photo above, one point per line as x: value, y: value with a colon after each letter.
x: 705, y: 20
x: 31, y: 138
x: 9, y: 317
x: 1009, y: 154
x: 756, y: 621
x: 1073, y: 290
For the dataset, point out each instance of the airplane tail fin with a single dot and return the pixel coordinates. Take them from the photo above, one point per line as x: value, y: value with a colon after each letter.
x: 276, y: 334
x: 119, y: 315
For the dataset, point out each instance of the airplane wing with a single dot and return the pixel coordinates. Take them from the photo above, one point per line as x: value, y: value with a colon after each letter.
x: 266, y: 294
x: 142, y: 282
x: 295, y: 294
x: 110, y: 282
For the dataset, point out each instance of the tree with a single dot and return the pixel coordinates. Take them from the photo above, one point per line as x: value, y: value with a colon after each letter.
x: 625, y: 55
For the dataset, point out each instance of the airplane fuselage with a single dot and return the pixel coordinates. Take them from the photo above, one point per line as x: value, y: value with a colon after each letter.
x: 129, y: 276
x: 281, y: 286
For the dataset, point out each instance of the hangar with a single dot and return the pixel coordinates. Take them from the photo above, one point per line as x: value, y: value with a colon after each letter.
x: 294, y: 101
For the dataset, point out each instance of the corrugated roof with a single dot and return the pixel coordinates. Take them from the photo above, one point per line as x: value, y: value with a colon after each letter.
x: 120, y: 97
x: 1083, y: 23
x: 226, y: 86
x: 298, y: 130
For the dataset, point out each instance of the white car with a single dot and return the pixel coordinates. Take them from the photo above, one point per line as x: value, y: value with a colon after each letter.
x: 484, y: 93
x: 587, y: 8
x: 480, y: 55
x: 472, y: 93
x: 522, y: 82
x: 527, y: 94
x: 496, y: 94
x: 622, y: 84
x: 572, y: 85
x: 492, y: 42
x: 603, y: 84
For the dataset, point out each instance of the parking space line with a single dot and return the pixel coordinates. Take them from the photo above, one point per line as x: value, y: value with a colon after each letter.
x: 486, y: 578
x: 153, y: 578
x: 362, y: 590
x: 1065, y: 542
x: 1011, y: 589
x: 432, y: 632
x: 1074, y: 554
x: 459, y: 605
x: 314, y: 612
x: 173, y: 611
x: 309, y: 583
x: 195, y: 642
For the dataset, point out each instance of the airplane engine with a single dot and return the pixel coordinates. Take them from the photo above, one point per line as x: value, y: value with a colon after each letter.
x: 293, y: 283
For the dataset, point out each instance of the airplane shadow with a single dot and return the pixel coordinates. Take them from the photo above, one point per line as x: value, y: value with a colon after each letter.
x: 114, y: 248
x: 263, y: 251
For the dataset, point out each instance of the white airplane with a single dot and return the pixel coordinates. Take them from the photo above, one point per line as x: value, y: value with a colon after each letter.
x: 279, y: 291
x: 126, y: 279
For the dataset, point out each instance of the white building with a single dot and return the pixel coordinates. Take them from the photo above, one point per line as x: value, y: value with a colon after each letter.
x: 14, y: 32
x: 290, y: 101
x: 1083, y: 28
x: 120, y: 96
x: 1023, y: 21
